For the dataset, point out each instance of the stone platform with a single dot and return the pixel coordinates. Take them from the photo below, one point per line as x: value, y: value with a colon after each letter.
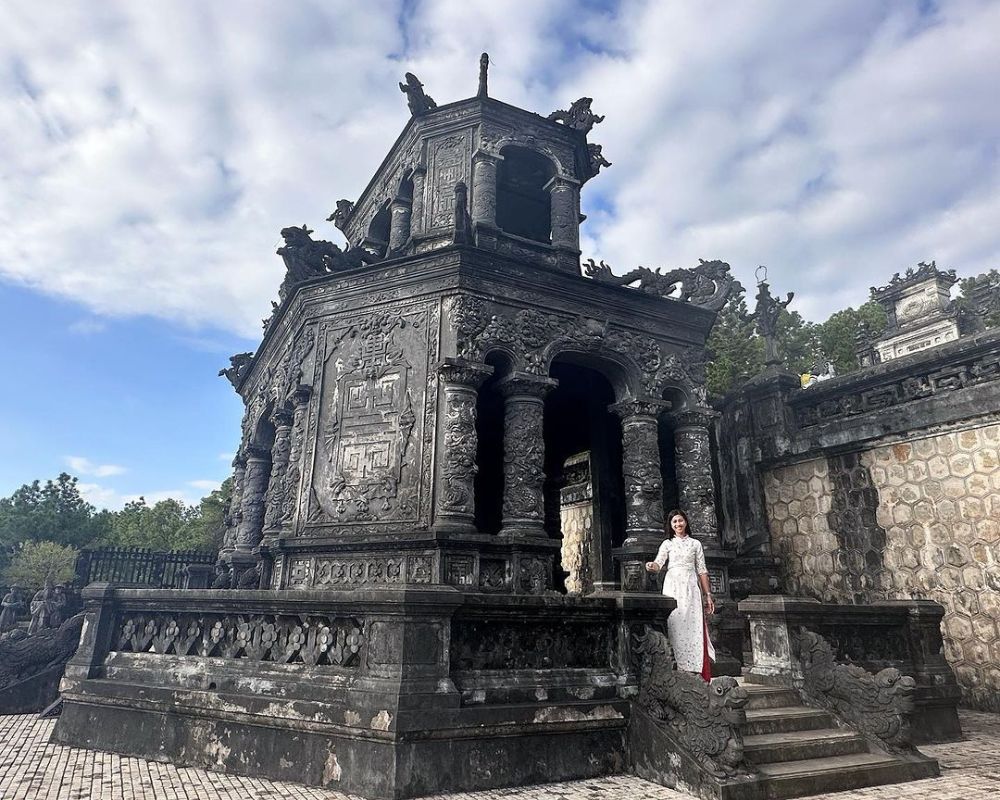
x: 32, y: 767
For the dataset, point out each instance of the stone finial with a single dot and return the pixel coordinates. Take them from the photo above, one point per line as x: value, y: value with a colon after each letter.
x: 579, y: 116
x: 418, y: 102
x: 484, y: 66
x: 710, y: 284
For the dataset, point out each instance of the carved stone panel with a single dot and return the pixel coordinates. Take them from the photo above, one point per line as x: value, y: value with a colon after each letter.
x: 370, y: 436
x: 450, y: 162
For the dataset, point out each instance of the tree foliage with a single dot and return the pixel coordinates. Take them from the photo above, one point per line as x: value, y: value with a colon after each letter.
x: 38, y: 563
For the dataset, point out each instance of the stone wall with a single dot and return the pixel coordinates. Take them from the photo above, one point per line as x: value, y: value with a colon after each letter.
x: 918, y: 518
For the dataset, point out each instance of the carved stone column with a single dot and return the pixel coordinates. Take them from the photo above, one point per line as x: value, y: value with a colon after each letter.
x: 293, y: 474
x: 565, y: 200
x: 417, y: 209
x: 400, y: 211
x: 455, y: 506
x: 643, y: 490
x: 484, y: 188
x: 258, y: 471
x: 282, y: 420
x: 524, y: 453
x: 695, y: 482
x: 234, y: 513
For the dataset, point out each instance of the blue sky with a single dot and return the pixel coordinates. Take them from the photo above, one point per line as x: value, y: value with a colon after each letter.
x: 151, y: 152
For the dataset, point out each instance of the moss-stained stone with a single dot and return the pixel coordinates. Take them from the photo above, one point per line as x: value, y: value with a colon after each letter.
x: 914, y: 519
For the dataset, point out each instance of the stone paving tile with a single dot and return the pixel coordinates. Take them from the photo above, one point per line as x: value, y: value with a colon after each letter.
x: 32, y: 768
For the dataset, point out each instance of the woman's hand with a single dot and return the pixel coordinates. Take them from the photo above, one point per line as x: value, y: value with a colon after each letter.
x: 652, y: 566
x: 709, y: 605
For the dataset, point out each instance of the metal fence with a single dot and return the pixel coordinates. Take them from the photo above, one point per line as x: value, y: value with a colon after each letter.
x: 138, y: 566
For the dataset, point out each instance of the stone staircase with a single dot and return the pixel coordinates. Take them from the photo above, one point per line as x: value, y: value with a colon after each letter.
x: 800, y: 751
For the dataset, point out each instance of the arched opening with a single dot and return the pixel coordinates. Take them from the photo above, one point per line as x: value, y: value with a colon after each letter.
x: 377, y: 240
x: 584, y: 487
x: 523, y: 204
x: 489, y: 430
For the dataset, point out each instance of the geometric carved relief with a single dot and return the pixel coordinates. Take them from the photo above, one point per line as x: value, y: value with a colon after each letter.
x: 368, y: 457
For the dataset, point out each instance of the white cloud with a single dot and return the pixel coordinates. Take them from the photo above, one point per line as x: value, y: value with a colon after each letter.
x: 86, y: 467
x: 205, y: 486
x: 106, y: 497
x: 154, y: 152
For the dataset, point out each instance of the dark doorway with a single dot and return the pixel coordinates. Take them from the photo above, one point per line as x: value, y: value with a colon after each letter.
x: 489, y: 429
x: 523, y: 204
x: 577, y: 421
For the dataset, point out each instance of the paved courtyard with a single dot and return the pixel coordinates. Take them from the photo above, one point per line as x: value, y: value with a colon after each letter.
x: 32, y: 768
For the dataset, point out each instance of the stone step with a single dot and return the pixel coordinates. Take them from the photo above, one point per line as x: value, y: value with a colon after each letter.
x: 797, y: 745
x: 840, y: 773
x: 784, y: 719
x: 770, y: 696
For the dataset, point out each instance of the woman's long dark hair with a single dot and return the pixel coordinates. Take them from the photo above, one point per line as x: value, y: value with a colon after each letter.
x: 669, y: 518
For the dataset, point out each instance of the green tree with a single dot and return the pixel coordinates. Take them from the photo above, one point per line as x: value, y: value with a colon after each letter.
x: 838, y: 335
x: 735, y: 352
x: 156, y: 527
x: 980, y: 295
x: 53, y: 512
x: 37, y: 562
x: 204, y: 531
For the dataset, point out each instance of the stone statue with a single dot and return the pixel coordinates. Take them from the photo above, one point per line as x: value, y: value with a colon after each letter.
x: 878, y: 705
x: 57, y: 606
x: 597, y: 160
x: 418, y: 102
x: 305, y: 258
x: 10, y: 607
x: 23, y: 658
x: 339, y: 217
x: 579, y: 115
x: 767, y: 313
x: 463, y: 222
x: 484, y: 66
x: 237, y: 368
x: 705, y: 717
x: 250, y: 578
x: 41, y: 606
x: 223, y: 576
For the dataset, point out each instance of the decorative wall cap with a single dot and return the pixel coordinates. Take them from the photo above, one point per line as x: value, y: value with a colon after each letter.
x: 924, y: 271
x: 647, y: 407
x: 709, y: 284
x: 464, y: 372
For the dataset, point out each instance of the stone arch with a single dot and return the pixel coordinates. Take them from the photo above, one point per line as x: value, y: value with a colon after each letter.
x: 617, y: 368
x: 563, y: 169
x: 523, y: 203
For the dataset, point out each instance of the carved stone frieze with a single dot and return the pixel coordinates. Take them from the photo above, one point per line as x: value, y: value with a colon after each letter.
x: 303, y: 639
x: 534, y: 574
x: 450, y: 161
x: 460, y: 570
x: 878, y: 704
x: 704, y: 717
x: 493, y: 575
x: 356, y: 572
x: 480, y: 645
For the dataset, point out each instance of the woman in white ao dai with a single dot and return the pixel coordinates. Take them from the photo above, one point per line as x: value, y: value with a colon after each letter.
x: 685, y: 580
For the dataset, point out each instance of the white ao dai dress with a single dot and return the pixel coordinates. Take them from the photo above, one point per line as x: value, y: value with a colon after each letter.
x: 685, y: 561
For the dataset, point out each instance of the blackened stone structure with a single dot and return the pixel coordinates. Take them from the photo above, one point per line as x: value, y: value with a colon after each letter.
x: 388, y: 614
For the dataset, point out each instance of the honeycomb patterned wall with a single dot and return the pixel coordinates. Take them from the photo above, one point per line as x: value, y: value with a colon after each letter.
x: 919, y: 518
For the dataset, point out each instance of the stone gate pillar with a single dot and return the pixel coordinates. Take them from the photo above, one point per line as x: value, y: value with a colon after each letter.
x: 643, y: 490
x: 695, y: 482
x: 484, y: 188
x: 455, y: 506
x: 524, y: 453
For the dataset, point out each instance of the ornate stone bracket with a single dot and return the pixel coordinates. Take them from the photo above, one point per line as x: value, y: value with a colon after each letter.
x: 704, y: 718
x: 878, y: 704
x: 709, y: 284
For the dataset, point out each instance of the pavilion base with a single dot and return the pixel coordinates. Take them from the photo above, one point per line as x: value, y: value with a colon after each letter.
x: 387, y: 693
x: 490, y: 748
